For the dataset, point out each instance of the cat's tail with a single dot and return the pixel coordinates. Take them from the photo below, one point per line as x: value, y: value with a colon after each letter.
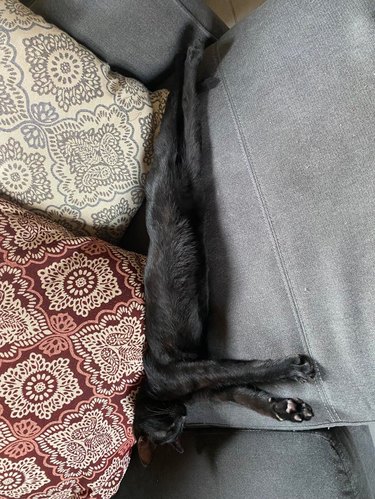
x: 167, y: 142
x: 177, y: 150
x: 160, y: 182
x: 192, y: 147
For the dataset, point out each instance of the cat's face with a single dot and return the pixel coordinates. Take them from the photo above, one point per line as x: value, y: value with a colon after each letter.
x: 158, y: 423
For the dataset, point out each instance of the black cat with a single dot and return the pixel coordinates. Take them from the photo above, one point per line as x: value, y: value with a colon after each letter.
x: 176, y: 294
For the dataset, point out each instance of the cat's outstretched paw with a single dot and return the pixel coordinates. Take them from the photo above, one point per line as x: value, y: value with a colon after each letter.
x: 295, y: 410
x: 301, y: 368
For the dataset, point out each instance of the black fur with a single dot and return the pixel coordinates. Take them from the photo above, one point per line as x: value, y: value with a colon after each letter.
x: 176, y: 361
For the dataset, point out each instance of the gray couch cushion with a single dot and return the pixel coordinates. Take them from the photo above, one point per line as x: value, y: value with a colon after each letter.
x: 291, y: 241
x: 224, y: 464
x: 140, y: 37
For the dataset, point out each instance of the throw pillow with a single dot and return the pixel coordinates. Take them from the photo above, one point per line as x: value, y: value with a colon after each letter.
x: 71, y: 344
x: 76, y: 138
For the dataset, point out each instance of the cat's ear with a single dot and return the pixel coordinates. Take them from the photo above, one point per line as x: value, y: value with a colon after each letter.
x: 146, y: 450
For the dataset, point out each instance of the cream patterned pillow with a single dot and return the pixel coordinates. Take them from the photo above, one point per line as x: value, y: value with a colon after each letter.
x: 76, y: 138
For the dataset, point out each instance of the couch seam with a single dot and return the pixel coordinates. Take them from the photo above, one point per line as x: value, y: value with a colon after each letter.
x: 194, y: 18
x: 306, y: 426
x: 275, y: 242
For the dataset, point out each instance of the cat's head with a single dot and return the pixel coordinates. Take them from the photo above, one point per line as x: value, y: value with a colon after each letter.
x: 157, y: 423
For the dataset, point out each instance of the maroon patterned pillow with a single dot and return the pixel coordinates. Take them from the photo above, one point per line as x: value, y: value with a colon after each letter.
x: 71, y: 343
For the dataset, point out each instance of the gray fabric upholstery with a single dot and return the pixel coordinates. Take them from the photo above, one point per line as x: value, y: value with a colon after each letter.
x: 138, y: 36
x: 224, y: 464
x: 291, y: 241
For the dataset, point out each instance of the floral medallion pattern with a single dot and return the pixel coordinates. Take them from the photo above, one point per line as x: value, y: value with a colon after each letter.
x: 38, y: 387
x: 19, y: 479
x: 23, y: 176
x: 71, y: 344
x: 74, y: 133
x: 112, y: 349
x: 84, y: 439
x: 62, y: 68
x: 91, y: 167
x: 79, y: 282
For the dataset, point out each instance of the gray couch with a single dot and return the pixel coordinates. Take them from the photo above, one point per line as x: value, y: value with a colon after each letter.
x: 289, y: 155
